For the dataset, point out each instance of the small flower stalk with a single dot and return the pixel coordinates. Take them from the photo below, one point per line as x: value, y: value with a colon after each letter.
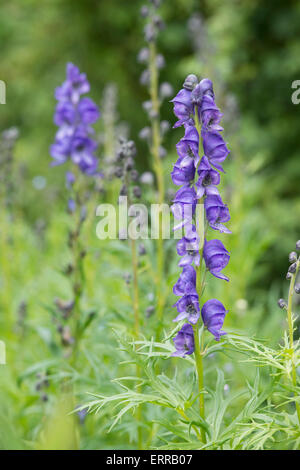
x: 294, y: 288
x: 154, y: 133
x: 199, y: 208
x: 74, y: 144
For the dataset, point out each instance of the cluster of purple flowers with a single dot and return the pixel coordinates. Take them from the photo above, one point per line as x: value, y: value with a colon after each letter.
x: 74, y: 116
x: 198, y: 177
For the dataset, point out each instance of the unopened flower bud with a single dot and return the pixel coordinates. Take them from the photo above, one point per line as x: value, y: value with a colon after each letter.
x: 147, y: 178
x: 145, y: 77
x: 190, y: 82
x: 134, y: 175
x: 143, y: 55
x: 165, y: 90
x: 298, y: 245
x: 137, y: 192
x: 145, y: 133
x: 119, y: 172
x: 164, y: 126
x: 281, y: 303
x: 142, y: 249
x: 292, y: 257
x: 293, y: 267
x: 144, y: 11
x: 123, y: 190
x: 160, y: 61
x: 288, y: 276
x: 297, y: 288
x: 149, y: 32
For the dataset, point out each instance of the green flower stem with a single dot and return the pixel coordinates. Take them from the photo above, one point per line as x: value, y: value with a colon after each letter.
x: 291, y: 332
x: 158, y: 169
x: 200, y: 226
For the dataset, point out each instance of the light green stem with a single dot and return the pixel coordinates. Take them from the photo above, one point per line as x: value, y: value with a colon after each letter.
x: 200, y: 226
x: 291, y: 332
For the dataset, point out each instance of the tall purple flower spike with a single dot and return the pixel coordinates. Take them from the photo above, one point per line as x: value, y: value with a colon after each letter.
x: 198, y: 97
x: 213, y: 314
x: 74, y: 116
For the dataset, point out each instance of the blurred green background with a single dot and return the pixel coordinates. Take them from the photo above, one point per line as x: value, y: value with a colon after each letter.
x: 253, y: 45
x: 251, y: 50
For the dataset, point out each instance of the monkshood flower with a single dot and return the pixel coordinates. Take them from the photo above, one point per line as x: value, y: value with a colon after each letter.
x: 188, y: 247
x: 216, y: 212
x: 184, y: 341
x: 208, y: 177
x: 216, y: 258
x: 213, y: 314
x: 74, y: 116
x: 189, y: 144
x: 183, y: 171
x: 186, y: 283
x: 184, y: 205
x: 199, y: 178
x: 188, y: 307
x: 214, y: 147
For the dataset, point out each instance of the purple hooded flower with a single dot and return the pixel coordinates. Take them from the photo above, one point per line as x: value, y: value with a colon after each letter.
x: 210, y: 114
x: 204, y: 88
x: 188, y: 307
x: 184, y: 205
x: 183, y: 108
x: 216, y: 212
x: 184, y: 171
x: 189, y: 144
x: 216, y: 258
x: 188, y: 247
x: 214, y: 148
x: 213, y: 314
x: 184, y: 341
x: 186, y: 283
x: 208, y: 177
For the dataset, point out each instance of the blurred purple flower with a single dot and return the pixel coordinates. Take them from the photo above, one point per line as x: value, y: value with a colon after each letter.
x: 74, y: 115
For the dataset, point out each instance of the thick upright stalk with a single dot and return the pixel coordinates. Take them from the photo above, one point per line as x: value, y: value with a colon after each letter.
x: 291, y: 332
x: 200, y: 226
x: 199, y: 367
x: 158, y: 168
